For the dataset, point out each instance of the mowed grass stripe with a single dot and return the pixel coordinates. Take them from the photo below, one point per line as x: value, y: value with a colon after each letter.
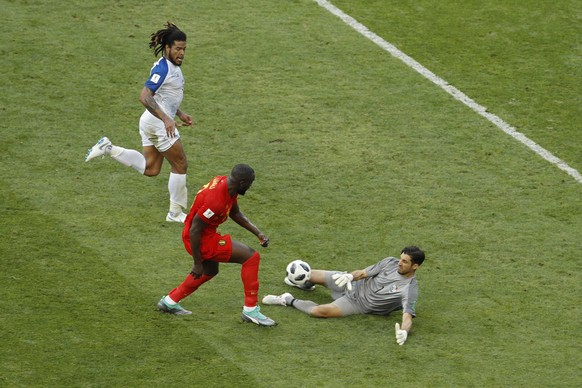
x: 453, y: 91
x: 72, y: 319
x: 355, y: 155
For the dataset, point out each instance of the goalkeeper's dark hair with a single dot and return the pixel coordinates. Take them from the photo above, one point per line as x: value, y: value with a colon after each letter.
x: 166, y: 37
x: 415, y: 253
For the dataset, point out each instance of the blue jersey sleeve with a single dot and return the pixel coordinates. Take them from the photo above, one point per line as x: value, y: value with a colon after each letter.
x: 157, y: 75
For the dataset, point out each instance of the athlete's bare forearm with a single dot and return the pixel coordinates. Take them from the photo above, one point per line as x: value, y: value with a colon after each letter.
x: 406, y: 322
x: 243, y: 221
x: 359, y: 274
x: 148, y: 101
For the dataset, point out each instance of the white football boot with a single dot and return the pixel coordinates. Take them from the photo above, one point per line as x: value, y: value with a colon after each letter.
x: 277, y: 299
x: 176, y: 217
x: 98, y: 149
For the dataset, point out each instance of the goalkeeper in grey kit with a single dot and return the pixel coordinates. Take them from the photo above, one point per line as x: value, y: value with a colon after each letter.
x: 381, y: 288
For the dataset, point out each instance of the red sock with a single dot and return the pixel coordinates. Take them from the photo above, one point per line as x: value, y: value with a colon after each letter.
x: 188, y: 286
x: 249, y: 274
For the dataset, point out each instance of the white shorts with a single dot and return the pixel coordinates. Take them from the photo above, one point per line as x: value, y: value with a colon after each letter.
x: 154, y: 134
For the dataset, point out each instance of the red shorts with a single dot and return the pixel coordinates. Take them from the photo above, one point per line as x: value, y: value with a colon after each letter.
x: 213, y: 247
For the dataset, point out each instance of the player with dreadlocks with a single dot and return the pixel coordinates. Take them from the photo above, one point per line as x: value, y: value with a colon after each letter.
x: 161, y: 96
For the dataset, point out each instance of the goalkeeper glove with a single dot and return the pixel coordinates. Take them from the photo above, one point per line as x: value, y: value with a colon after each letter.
x: 401, y: 335
x: 343, y: 279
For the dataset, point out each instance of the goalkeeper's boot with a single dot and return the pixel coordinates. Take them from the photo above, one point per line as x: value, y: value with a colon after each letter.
x: 176, y: 217
x: 98, y: 149
x: 282, y: 299
x: 255, y: 316
x: 174, y: 309
x: 307, y: 286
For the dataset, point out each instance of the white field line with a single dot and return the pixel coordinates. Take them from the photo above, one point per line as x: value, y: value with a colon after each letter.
x: 456, y: 93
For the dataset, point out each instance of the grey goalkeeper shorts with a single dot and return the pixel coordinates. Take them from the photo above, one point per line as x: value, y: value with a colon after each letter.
x: 347, y: 305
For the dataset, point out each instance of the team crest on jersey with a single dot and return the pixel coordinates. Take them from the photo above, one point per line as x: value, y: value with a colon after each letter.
x: 221, y: 243
x: 393, y: 288
x: 208, y: 213
x: 155, y: 78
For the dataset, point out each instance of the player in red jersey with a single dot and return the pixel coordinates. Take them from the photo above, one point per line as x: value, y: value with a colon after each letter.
x: 213, y: 205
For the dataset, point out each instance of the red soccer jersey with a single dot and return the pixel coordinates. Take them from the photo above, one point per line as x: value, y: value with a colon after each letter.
x: 212, y: 204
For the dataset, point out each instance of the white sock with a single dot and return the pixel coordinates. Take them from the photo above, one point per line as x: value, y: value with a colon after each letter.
x: 175, y: 209
x: 178, y: 192
x: 169, y: 301
x: 247, y: 309
x: 129, y: 158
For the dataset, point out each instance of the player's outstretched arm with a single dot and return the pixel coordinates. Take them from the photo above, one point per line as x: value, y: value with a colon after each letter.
x: 345, y: 279
x: 238, y: 216
x: 401, y: 332
x: 359, y: 274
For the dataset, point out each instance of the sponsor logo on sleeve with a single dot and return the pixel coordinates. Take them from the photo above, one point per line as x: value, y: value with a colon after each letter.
x: 155, y: 78
x: 208, y: 213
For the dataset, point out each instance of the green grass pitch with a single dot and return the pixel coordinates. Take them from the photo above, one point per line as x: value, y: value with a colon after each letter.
x: 356, y: 156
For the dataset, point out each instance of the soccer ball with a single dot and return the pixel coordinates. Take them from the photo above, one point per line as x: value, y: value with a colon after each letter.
x: 298, y: 272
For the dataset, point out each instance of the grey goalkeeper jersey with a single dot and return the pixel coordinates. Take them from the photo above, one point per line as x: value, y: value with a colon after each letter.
x: 385, y: 290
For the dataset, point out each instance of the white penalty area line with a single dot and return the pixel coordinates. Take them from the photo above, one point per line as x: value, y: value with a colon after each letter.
x: 456, y: 93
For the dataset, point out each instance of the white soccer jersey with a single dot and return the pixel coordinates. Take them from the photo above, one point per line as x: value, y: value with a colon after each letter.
x: 167, y: 82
